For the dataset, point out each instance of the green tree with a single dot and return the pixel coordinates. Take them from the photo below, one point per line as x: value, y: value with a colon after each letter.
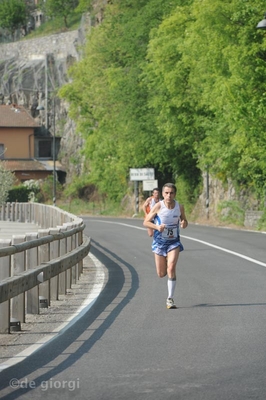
x: 84, y: 5
x: 177, y: 85
x: 59, y: 8
x: 206, y: 78
x: 109, y: 97
x: 6, y: 182
x: 13, y: 14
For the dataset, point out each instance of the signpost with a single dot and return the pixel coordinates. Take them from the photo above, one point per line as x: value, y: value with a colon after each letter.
x: 148, y: 186
x: 140, y: 174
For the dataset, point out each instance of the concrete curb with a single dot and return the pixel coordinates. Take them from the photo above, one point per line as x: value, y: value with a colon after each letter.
x: 54, y: 320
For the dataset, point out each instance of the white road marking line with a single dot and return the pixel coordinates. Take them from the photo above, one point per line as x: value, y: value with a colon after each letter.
x: 226, y: 251
x: 197, y: 240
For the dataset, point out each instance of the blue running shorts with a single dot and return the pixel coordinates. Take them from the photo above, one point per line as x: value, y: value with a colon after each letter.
x: 163, y: 247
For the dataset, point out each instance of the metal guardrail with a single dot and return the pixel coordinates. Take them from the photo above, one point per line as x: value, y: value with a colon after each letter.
x: 36, y: 268
x: 20, y: 283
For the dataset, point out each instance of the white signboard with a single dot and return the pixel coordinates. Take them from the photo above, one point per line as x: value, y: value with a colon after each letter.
x: 150, y: 185
x: 141, y: 174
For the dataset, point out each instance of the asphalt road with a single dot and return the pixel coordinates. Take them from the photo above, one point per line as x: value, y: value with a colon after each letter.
x: 128, y: 346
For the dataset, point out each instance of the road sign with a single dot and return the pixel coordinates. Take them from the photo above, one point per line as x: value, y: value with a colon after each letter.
x: 141, y: 174
x: 150, y: 185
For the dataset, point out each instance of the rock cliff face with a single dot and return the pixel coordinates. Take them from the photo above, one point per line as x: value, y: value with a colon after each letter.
x: 31, y: 71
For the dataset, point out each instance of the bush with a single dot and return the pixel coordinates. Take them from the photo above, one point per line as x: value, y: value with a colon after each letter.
x: 7, y: 179
x: 28, y: 191
x: 231, y: 212
x: 185, y: 194
x: 262, y: 222
x: 47, y: 190
x: 18, y: 194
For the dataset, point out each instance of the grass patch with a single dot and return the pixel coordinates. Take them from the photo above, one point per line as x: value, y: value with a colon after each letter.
x: 231, y: 213
x: 55, y: 25
x: 262, y: 222
x: 81, y: 207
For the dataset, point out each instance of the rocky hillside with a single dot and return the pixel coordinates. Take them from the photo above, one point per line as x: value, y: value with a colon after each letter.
x: 32, y: 71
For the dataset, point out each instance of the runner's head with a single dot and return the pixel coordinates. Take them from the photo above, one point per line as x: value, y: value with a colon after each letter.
x: 156, y: 193
x: 169, y: 186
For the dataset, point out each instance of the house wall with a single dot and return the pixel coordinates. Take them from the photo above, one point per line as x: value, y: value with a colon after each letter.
x: 22, y: 176
x: 18, y: 142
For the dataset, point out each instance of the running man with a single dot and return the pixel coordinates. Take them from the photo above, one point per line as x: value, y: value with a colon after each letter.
x: 149, y: 203
x: 168, y: 216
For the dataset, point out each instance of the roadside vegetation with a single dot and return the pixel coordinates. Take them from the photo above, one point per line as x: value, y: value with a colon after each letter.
x: 55, y: 25
x: 60, y: 16
x: 176, y: 85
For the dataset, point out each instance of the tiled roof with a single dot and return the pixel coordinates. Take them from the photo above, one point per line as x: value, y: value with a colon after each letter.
x: 49, y: 165
x: 31, y: 165
x: 14, y: 116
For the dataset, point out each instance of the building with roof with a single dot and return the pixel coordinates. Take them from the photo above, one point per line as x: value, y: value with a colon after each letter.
x: 26, y: 147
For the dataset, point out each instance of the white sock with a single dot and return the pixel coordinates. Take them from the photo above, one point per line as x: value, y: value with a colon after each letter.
x: 171, y: 287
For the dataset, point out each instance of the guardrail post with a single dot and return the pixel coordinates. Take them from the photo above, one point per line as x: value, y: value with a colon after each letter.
x: 12, y: 212
x: 44, y: 256
x: 17, y: 266
x: 28, y: 212
x: 73, y: 246
x: 79, y: 243
x: 20, y: 212
x: 76, y: 245
x: 5, y: 271
x: 68, y: 226
x: 52, y: 218
x: 31, y: 262
x: 42, y: 216
x: 8, y: 211
x: 33, y: 212
x: 25, y: 211
x: 54, y: 253
x: 62, y: 251
x: 17, y: 213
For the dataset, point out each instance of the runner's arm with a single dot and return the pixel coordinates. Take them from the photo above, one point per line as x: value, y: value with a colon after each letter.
x: 183, y: 218
x: 145, y: 205
x: 150, y: 217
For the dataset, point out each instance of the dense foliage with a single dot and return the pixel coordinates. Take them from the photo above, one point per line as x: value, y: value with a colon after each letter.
x: 175, y: 85
x: 18, y: 194
x: 7, y: 179
x: 13, y: 14
x: 59, y: 8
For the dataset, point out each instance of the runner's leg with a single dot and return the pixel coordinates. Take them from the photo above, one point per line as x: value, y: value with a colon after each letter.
x: 161, y: 267
x: 172, y: 258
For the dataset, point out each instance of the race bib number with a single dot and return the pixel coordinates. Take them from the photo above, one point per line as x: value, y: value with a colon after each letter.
x: 170, y: 233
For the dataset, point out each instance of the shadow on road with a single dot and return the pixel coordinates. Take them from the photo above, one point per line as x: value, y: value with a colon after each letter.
x: 120, y: 287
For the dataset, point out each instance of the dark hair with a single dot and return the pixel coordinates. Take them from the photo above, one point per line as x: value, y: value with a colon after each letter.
x: 170, y: 185
x: 155, y: 189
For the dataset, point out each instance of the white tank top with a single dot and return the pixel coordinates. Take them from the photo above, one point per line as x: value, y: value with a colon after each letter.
x: 152, y: 202
x: 169, y: 217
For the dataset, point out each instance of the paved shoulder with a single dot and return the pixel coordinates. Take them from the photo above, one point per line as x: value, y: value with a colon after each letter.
x: 41, y: 328
x: 8, y: 229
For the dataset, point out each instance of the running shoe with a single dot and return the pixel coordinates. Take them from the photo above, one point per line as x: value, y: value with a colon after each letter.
x: 170, y: 303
